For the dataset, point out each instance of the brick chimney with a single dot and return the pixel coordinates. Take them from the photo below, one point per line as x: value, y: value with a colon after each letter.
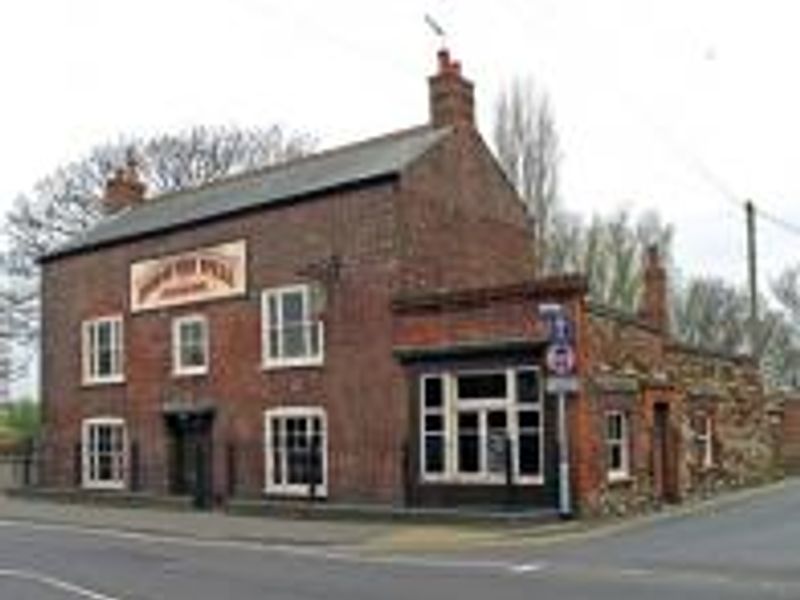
x: 653, y: 304
x: 124, y: 189
x: 452, y: 101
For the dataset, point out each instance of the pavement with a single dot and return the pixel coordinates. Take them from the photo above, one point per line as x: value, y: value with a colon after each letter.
x: 741, y: 546
x: 371, y: 534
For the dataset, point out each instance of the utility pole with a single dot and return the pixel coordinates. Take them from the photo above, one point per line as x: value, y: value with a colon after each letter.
x: 752, y: 273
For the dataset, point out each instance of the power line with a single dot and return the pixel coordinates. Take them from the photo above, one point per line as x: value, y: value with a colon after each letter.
x: 780, y: 222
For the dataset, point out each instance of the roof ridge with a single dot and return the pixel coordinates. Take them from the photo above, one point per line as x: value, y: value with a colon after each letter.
x: 265, y: 169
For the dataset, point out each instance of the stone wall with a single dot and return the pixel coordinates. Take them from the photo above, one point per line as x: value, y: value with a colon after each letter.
x: 632, y: 368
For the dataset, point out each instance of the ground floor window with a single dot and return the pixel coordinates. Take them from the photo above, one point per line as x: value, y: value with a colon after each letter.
x: 703, y: 439
x: 104, y: 451
x: 617, y: 445
x: 296, y: 451
x: 482, y: 426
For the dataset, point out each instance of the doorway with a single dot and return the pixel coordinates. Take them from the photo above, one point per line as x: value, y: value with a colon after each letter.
x: 662, y: 455
x: 190, y: 456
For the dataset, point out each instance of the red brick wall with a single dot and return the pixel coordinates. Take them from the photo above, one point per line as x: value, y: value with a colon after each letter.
x: 461, y: 223
x: 364, y: 407
x: 380, y: 234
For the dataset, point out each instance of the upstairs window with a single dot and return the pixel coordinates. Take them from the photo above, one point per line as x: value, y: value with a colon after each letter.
x: 292, y: 332
x: 190, y: 345
x: 104, y: 451
x: 103, y: 350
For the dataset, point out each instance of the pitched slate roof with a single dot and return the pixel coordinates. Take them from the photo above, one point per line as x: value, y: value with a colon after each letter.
x: 356, y: 164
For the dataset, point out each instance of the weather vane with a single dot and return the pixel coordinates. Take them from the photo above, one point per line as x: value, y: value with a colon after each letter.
x: 437, y: 29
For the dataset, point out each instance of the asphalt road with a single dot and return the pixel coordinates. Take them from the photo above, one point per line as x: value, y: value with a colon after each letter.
x: 751, y: 550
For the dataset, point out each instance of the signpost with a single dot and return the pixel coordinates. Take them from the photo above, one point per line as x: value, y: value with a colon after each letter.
x: 561, y: 380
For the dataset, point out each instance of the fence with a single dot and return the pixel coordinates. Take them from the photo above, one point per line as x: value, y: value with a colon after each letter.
x: 17, y: 470
x: 211, y: 474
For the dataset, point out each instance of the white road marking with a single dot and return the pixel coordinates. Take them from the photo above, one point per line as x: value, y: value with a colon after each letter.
x: 635, y: 572
x: 526, y: 568
x: 57, y: 584
x: 340, y: 554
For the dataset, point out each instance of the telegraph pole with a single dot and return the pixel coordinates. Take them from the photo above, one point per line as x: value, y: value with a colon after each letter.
x: 752, y: 274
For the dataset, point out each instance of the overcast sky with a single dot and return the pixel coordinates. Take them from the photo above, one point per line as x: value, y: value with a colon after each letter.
x: 660, y: 105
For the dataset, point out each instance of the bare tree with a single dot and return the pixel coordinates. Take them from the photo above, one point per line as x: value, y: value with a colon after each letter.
x: 609, y: 250
x: 714, y: 314
x: 527, y: 146
x: 67, y: 202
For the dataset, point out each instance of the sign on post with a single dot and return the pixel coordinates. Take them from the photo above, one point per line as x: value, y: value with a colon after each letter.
x: 561, y: 380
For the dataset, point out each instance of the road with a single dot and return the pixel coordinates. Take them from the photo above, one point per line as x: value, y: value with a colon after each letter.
x: 750, y: 550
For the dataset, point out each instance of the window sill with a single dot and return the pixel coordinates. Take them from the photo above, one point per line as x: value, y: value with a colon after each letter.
x: 104, y: 485
x: 104, y: 381
x: 296, y: 491
x: 619, y: 479
x: 293, y: 364
x: 478, y: 480
x: 190, y: 372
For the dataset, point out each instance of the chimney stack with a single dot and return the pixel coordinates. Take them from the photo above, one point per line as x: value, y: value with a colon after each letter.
x: 452, y: 98
x: 124, y: 189
x: 653, y: 305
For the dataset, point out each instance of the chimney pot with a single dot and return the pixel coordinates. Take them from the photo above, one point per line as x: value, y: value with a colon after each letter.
x: 444, y: 60
x: 124, y: 188
x: 452, y: 102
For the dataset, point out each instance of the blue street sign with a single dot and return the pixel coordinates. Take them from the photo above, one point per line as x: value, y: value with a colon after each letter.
x: 562, y: 331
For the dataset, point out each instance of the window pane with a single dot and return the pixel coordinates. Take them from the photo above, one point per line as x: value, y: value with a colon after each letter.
x: 616, y: 457
x: 468, y: 443
x: 529, y: 454
x: 433, y: 392
x: 478, y: 386
x: 294, y: 341
x: 496, y: 444
x: 434, y: 453
x: 528, y: 387
x: 104, y: 470
x: 273, y: 311
x: 434, y: 423
x: 274, y: 349
x: 614, y: 426
x: 529, y: 419
x: 293, y: 312
x: 313, y: 330
x: 296, y: 466
x: 277, y: 466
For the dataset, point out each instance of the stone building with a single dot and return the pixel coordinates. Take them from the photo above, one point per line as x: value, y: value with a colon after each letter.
x: 364, y: 325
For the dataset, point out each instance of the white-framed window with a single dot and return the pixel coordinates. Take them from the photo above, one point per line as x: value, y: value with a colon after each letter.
x: 190, y: 354
x: 104, y: 451
x: 476, y: 425
x: 617, y: 445
x: 292, y: 333
x: 102, y: 350
x: 704, y: 440
x: 296, y: 454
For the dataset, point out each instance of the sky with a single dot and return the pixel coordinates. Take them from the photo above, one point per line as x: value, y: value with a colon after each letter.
x: 685, y: 107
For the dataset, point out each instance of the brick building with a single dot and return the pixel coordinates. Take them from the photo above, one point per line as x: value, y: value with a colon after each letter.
x: 361, y: 325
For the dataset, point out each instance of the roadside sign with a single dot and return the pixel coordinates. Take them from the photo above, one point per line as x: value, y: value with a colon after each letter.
x: 560, y: 360
x: 562, y: 385
x: 561, y: 329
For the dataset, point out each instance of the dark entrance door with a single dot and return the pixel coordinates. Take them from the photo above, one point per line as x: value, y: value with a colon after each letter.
x: 190, y: 454
x: 662, y: 458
